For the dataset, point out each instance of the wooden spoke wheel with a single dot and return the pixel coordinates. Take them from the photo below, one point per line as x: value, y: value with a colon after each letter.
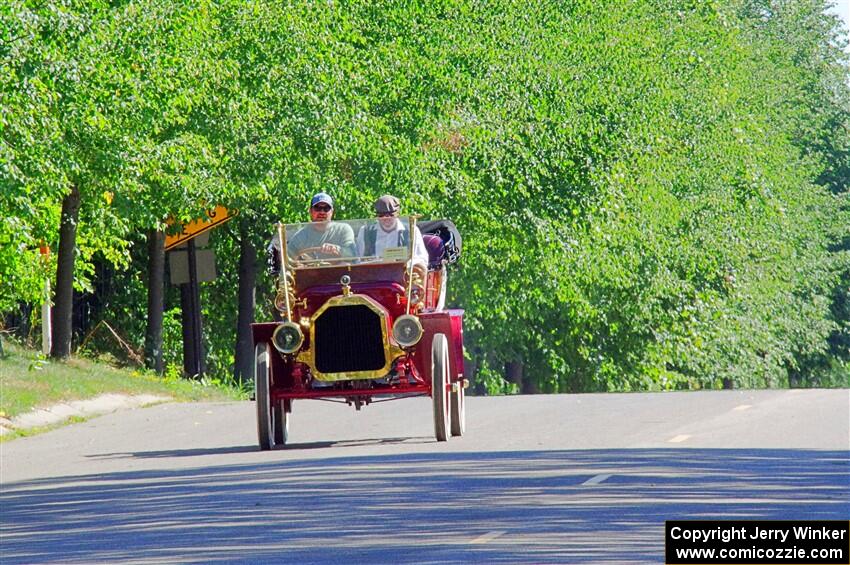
x: 272, y: 418
x: 280, y: 422
x: 261, y: 395
x: 440, y: 392
x: 458, y: 409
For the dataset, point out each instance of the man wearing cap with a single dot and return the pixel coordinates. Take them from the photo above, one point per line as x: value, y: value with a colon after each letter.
x: 373, y: 239
x: 327, y: 238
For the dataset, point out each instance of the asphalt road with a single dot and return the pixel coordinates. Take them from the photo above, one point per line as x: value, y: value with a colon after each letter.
x: 536, y: 479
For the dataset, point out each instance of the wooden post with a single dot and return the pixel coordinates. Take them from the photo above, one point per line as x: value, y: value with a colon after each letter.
x: 190, y: 305
x: 195, y: 312
x: 188, y: 323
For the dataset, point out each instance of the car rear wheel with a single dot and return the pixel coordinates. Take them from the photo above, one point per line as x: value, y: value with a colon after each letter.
x: 458, y: 401
x: 439, y: 389
x: 272, y: 421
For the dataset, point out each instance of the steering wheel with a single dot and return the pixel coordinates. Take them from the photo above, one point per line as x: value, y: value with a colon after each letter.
x: 306, y: 256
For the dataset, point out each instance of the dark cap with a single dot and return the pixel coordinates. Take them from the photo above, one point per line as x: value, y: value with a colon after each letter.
x: 387, y: 204
x: 322, y: 197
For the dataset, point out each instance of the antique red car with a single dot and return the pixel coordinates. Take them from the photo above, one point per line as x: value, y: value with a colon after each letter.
x: 358, y: 326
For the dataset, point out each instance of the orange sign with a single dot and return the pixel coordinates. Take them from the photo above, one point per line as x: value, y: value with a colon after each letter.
x: 215, y: 217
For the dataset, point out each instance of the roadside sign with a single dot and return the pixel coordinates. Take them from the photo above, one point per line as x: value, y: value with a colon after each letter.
x: 178, y: 263
x: 214, y: 217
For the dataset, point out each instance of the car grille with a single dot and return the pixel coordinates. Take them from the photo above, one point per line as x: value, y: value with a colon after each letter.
x: 349, y: 339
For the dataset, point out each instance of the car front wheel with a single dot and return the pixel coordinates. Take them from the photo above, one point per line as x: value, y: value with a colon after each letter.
x: 272, y: 419
x: 439, y: 386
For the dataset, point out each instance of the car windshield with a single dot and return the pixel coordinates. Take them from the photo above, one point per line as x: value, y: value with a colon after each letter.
x: 346, y: 242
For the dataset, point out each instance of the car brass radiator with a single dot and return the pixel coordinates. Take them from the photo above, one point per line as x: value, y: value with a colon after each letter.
x: 349, y: 339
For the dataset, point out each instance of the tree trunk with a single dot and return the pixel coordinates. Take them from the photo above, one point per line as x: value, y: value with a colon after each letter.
x: 529, y: 385
x: 64, y: 296
x: 20, y: 321
x: 513, y: 373
x: 156, y: 300
x: 244, y: 365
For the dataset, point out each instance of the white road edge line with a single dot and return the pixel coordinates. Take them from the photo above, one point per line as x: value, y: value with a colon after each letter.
x: 489, y: 536
x: 678, y: 439
x: 595, y: 480
x: 743, y: 407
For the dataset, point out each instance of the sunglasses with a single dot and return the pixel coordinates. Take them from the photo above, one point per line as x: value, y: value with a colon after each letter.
x: 386, y: 214
x: 322, y: 208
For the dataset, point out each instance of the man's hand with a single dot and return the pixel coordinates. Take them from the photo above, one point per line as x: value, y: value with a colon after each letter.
x: 330, y: 249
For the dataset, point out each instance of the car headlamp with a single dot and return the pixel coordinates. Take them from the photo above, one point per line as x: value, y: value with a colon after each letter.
x: 407, y: 330
x: 417, y: 293
x: 287, y: 338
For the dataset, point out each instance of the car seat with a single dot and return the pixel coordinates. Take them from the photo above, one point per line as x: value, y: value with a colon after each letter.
x: 436, y: 251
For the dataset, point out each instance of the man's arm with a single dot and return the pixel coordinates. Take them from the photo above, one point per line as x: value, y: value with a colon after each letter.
x: 361, y: 241
x: 345, y: 240
x: 295, y: 243
x: 420, y: 252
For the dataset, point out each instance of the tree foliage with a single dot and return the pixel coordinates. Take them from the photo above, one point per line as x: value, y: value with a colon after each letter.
x: 653, y: 195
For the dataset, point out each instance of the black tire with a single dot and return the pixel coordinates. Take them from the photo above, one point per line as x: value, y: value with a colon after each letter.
x: 439, y: 386
x: 458, y: 406
x: 265, y: 414
x: 280, y: 423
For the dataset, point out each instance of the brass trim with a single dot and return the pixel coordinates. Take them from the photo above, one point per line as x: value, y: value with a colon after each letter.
x: 418, y: 324
x: 391, y: 351
x: 418, y: 285
x: 411, y: 226
x: 284, y: 275
x: 290, y: 324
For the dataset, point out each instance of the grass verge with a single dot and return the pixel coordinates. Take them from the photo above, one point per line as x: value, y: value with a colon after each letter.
x: 28, y: 380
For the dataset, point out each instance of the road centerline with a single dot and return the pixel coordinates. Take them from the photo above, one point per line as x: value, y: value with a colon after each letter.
x: 489, y: 536
x: 596, y: 480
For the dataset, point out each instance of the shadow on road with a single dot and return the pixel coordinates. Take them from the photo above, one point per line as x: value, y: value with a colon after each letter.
x: 600, y: 506
x: 253, y: 448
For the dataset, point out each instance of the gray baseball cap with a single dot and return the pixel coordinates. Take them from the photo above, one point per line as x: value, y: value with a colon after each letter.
x: 387, y: 204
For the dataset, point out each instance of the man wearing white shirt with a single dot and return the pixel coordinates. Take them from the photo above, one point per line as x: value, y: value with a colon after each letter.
x: 389, y: 232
